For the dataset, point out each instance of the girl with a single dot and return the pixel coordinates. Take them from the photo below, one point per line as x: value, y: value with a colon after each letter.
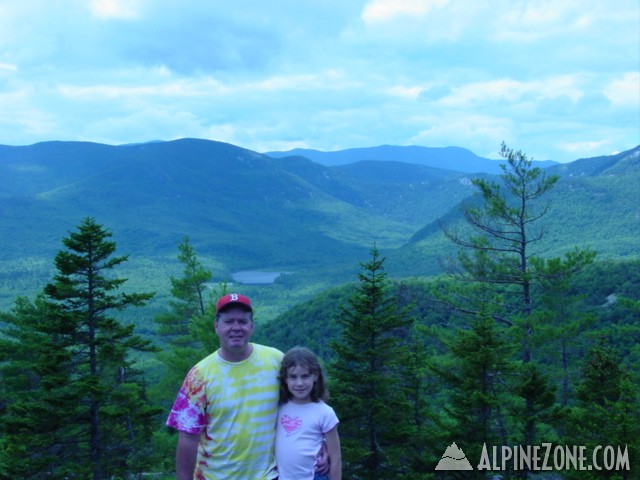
x: 304, y: 420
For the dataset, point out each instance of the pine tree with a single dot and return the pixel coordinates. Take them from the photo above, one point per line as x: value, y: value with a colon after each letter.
x: 479, y: 373
x: 505, y: 225
x: 186, y: 330
x: 36, y: 349
x: 560, y: 319
x: 607, y: 411
x: 367, y: 381
x: 78, y: 383
x: 187, y: 326
x: 498, y: 251
x: 188, y: 298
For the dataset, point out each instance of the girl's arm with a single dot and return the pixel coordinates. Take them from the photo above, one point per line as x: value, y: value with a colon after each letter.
x: 335, y: 454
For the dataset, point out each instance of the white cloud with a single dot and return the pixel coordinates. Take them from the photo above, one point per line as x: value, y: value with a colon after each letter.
x: 116, y: 9
x: 625, y: 91
x: 577, y: 147
x: 529, y: 21
x: 175, y: 89
x: 383, y: 10
x: 152, y: 123
x: 445, y: 130
x: 512, y: 91
x: 538, y: 19
x: 322, y: 80
x: 555, y: 76
x: 407, y: 92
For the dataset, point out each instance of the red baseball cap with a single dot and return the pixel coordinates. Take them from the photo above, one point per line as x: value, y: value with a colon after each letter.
x: 233, y: 299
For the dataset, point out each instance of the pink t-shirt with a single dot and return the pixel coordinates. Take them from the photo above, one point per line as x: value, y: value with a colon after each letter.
x: 299, y: 434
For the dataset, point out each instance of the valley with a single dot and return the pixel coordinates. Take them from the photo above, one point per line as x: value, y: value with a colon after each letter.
x: 248, y: 212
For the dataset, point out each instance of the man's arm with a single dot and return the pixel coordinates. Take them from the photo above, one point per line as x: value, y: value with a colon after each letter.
x: 335, y: 454
x: 186, y: 455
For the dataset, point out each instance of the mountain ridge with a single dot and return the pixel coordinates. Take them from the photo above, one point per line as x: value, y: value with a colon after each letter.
x: 243, y: 210
x: 447, y: 158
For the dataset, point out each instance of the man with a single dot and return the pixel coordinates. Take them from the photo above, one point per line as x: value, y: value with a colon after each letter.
x: 227, y: 406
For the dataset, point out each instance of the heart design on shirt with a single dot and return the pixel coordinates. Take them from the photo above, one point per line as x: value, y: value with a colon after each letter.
x: 290, y: 424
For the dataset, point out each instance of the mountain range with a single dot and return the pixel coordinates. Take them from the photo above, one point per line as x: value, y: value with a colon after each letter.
x: 314, y: 216
x: 449, y: 158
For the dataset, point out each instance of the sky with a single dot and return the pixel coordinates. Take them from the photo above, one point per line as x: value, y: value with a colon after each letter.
x: 557, y: 79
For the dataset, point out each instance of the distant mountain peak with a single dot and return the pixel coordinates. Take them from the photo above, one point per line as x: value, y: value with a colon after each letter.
x: 449, y: 158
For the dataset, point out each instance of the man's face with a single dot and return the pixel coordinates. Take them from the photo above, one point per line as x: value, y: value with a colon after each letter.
x: 234, y: 328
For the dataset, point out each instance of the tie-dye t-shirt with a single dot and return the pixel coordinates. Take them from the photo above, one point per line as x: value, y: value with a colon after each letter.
x: 233, y: 406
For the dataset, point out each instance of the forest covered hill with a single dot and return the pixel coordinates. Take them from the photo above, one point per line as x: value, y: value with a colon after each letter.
x: 246, y: 211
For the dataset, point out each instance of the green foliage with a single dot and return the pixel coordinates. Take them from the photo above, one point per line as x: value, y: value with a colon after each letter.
x: 366, y: 376
x: 571, y: 311
x: 479, y: 378
x: 317, y: 329
x: 75, y: 405
x: 186, y: 331
x: 313, y: 221
x: 504, y: 227
x: 593, y: 208
x: 607, y: 409
x: 188, y: 294
x: 517, y: 286
x: 36, y: 380
x: 560, y: 316
x: 186, y: 327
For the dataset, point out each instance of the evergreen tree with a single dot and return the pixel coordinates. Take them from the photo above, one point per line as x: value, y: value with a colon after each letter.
x: 187, y: 326
x: 187, y: 330
x: 498, y: 252
x: 367, y: 380
x: 188, y: 298
x: 561, y: 319
x: 36, y: 351
x: 479, y: 374
x: 505, y: 225
x: 77, y: 381
x: 607, y: 411
x: 423, y: 429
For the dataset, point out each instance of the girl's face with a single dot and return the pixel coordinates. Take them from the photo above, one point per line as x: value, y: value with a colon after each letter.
x: 300, y: 383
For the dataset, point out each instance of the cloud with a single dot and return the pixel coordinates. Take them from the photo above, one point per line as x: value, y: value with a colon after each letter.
x: 384, y: 10
x: 115, y: 9
x: 550, y: 76
x: 158, y: 88
x: 624, y: 91
x: 577, y: 147
x: 509, y: 91
x: 151, y: 124
x: 445, y: 130
x: 529, y: 21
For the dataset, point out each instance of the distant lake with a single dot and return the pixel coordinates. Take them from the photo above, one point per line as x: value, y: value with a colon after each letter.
x: 255, y: 277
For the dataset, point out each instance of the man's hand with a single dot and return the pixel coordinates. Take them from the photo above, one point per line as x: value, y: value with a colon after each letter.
x: 322, y: 460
